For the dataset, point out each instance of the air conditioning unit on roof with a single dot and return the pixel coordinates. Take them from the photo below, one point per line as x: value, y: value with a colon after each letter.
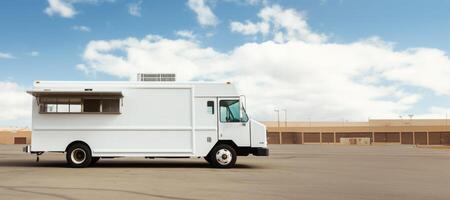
x: 156, y: 77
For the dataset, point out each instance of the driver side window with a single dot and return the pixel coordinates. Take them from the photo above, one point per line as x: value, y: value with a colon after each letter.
x: 230, y: 111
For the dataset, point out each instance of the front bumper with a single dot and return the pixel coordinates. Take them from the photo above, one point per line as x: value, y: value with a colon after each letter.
x: 260, y: 151
x: 27, y: 149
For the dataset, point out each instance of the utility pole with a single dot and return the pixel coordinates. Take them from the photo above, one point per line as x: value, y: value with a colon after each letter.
x: 278, y: 121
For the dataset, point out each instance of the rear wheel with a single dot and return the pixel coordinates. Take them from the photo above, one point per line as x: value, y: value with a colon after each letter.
x: 222, y: 156
x: 78, y: 155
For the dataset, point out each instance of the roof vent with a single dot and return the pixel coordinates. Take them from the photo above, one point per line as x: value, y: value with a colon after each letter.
x: 156, y: 77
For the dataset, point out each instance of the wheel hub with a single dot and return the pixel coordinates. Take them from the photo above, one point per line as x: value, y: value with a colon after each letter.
x: 78, y: 156
x: 223, y: 156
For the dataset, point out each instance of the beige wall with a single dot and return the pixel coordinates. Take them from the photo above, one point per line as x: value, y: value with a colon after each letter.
x: 428, y: 131
x: 7, y: 135
x: 370, y: 126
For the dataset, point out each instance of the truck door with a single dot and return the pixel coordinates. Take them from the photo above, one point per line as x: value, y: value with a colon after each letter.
x: 233, y: 122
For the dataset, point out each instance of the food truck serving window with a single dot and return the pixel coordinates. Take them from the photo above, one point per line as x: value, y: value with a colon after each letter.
x: 59, y: 104
x: 79, y: 104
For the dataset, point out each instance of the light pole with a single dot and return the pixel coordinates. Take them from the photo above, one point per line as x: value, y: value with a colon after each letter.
x: 414, y: 133
x: 401, y: 130
x: 278, y: 121
x: 371, y: 130
x: 285, y: 117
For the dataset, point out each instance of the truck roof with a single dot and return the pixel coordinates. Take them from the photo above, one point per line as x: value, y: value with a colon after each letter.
x: 207, y: 89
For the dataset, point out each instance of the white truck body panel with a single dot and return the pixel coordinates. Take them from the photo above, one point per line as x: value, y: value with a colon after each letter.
x: 155, y: 120
x: 258, y: 140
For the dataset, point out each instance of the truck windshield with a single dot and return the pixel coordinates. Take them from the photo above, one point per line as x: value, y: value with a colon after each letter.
x: 230, y: 111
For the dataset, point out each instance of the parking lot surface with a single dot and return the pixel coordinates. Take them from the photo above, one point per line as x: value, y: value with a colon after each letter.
x: 290, y: 172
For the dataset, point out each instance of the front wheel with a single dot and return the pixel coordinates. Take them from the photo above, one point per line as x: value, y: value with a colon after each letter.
x: 223, y: 156
x: 79, y: 155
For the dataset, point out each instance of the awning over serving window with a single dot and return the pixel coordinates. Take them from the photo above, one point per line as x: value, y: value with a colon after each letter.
x: 75, y: 93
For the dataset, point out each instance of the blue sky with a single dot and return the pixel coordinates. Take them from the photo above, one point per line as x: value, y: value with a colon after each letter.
x: 37, y: 45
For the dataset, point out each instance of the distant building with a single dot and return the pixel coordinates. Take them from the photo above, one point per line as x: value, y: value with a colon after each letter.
x: 406, y: 131
x: 15, y: 136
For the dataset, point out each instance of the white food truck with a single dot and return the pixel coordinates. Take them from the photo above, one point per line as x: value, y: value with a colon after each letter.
x: 93, y: 120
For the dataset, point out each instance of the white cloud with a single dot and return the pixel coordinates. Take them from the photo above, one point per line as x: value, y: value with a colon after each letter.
x: 34, y: 53
x: 204, y: 14
x: 250, y: 28
x: 248, y: 2
x: 286, y: 24
x: 312, y: 78
x: 162, y: 54
x: 82, y: 68
x: 186, y: 34
x: 15, y: 103
x: 65, y: 8
x: 321, y: 81
x: 81, y: 28
x: 434, y: 112
x: 61, y: 8
x: 253, y: 2
x: 135, y: 9
x: 6, y: 55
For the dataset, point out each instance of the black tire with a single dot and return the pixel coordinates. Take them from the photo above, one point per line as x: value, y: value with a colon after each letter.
x: 94, y: 160
x: 78, y: 155
x: 220, y: 156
